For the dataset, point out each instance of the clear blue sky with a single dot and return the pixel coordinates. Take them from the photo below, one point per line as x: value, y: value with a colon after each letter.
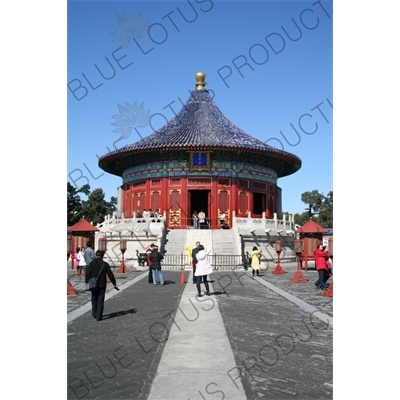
x: 276, y: 88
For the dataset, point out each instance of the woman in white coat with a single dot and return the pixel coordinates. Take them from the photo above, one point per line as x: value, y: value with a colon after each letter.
x: 82, y: 262
x: 203, y: 268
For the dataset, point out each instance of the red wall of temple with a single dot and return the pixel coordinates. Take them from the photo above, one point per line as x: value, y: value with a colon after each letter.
x: 177, y: 195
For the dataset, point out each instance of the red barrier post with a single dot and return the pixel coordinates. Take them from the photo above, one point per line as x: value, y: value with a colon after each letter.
x: 278, y: 269
x: 298, y: 249
x: 122, y: 268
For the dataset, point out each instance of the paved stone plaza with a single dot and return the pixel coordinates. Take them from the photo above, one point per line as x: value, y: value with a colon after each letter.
x: 252, y: 338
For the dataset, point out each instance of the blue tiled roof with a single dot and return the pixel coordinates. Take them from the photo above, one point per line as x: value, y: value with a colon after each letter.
x: 199, y: 125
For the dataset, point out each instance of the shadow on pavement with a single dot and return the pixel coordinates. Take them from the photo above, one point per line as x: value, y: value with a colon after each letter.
x: 119, y: 313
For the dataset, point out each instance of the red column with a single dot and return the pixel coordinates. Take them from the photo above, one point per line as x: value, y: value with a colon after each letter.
x: 148, y: 199
x: 214, y: 203
x: 123, y: 205
x: 184, y: 204
x: 233, y: 198
x: 130, y: 199
x: 250, y: 197
x: 164, y: 206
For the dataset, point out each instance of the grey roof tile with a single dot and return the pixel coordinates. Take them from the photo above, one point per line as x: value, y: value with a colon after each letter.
x: 199, y: 124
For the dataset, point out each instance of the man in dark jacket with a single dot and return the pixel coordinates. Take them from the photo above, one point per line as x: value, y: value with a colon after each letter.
x: 156, y: 257
x: 194, y: 259
x: 98, y: 294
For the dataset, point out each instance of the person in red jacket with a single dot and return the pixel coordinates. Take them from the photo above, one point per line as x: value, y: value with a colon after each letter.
x: 320, y: 257
x: 148, y: 252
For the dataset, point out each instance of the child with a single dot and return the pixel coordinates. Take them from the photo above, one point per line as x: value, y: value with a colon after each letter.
x: 255, y: 260
x: 82, y: 262
x: 76, y: 258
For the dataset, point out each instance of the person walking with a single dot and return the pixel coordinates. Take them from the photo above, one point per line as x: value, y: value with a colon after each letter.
x: 148, y: 252
x: 194, y: 259
x: 203, y: 268
x: 98, y: 294
x: 89, y: 254
x: 195, y: 219
x: 202, y: 219
x: 222, y: 218
x: 76, y: 258
x: 320, y: 256
x: 328, y: 272
x: 255, y: 256
x: 156, y: 257
x: 82, y: 262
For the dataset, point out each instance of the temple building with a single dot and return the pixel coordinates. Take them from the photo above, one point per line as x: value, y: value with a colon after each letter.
x: 198, y: 161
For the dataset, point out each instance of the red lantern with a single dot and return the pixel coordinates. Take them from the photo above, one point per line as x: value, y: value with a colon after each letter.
x: 278, y: 248
x: 102, y: 244
x: 122, y: 268
x: 298, y: 249
x: 298, y: 246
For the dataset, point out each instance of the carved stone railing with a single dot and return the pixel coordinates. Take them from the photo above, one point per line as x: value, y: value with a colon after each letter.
x: 264, y: 224
x: 124, y: 227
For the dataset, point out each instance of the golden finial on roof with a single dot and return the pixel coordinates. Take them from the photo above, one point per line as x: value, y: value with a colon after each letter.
x: 200, y: 78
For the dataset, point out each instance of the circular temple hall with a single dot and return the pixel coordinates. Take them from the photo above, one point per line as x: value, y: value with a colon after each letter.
x: 200, y: 161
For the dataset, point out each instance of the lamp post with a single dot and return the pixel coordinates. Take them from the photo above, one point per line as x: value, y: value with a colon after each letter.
x: 103, y: 244
x: 278, y: 248
x: 298, y: 249
x: 122, y: 246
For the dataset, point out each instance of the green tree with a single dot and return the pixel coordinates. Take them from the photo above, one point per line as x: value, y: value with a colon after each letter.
x: 325, y: 216
x: 301, y: 219
x: 314, y: 200
x: 74, y: 203
x: 96, y: 207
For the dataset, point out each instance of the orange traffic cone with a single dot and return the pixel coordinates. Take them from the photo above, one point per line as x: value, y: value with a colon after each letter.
x: 182, y: 277
x: 329, y: 291
x: 70, y: 290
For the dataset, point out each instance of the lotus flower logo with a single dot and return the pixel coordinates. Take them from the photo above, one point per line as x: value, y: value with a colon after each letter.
x: 129, y: 26
x: 131, y: 116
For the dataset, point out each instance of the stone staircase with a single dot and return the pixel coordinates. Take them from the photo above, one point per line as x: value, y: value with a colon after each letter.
x: 219, y: 240
x: 174, y: 241
x: 204, y: 236
x: 223, y: 242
